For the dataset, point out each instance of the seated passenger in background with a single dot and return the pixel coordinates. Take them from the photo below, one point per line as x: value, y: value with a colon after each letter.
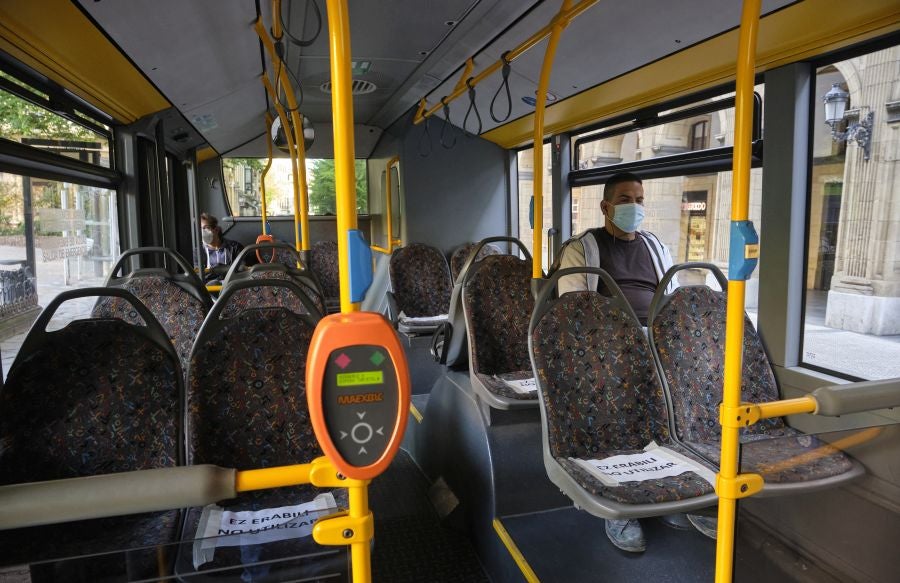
x: 219, y: 251
x: 637, y: 261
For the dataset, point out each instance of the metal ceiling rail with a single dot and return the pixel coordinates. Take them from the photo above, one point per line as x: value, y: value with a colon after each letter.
x: 562, y: 19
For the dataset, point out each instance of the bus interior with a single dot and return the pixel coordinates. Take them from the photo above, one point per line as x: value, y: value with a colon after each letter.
x: 431, y: 162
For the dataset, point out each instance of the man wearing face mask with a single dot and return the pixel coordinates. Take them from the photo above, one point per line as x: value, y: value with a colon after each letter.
x: 635, y: 259
x: 218, y: 249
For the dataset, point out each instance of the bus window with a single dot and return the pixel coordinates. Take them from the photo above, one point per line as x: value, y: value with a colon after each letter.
x: 525, y: 166
x: 75, y: 136
x: 242, y: 186
x: 852, y: 315
x: 690, y: 214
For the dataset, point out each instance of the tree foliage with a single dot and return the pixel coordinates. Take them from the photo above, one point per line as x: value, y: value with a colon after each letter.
x: 20, y: 119
x: 322, y: 199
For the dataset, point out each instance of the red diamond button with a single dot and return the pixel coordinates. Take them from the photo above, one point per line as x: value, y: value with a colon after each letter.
x: 342, y: 361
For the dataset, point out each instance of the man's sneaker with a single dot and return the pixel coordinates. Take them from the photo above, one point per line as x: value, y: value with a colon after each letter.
x: 677, y: 521
x: 705, y: 524
x: 627, y: 535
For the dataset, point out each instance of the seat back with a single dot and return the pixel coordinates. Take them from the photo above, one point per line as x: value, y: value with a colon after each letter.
x: 98, y: 396
x: 461, y: 254
x: 453, y: 350
x: 497, y: 303
x: 598, y: 383
x: 246, y: 388
x: 268, y: 296
x: 323, y: 262
x: 687, y: 333
x: 177, y: 298
x: 420, y: 280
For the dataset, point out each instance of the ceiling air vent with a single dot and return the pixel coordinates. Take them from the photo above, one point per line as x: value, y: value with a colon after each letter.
x: 359, y: 87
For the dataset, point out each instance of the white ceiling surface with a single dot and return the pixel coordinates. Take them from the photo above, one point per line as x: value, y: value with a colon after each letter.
x: 205, y: 56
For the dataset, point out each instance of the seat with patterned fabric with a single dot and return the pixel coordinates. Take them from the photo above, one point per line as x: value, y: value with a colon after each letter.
x: 247, y: 409
x: 461, y: 254
x: 420, y: 288
x: 687, y: 333
x: 323, y: 262
x: 497, y: 304
x: 178, y: 300
x: 600, y: 397
x: 98, y: 396
x: 268, y: 296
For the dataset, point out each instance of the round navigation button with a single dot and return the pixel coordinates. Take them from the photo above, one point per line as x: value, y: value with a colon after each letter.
x: 359, y: 430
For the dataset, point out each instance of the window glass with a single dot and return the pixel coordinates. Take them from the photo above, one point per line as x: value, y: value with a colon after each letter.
x: 691, y: 215
x: 54, y: 236
x: 242, y: 186
x: 22, y: 121
x: 700, y: 132
x: 525, y: 164
x: 852, y: 314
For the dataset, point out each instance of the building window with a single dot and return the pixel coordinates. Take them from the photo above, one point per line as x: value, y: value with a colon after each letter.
x: 852, y: 291
x: 525, y: 166
x: 700, y: 135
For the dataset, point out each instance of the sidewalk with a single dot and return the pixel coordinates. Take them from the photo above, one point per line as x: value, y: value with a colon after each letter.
x: 50, y: 283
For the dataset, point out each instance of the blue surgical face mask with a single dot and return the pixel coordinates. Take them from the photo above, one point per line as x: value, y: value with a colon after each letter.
x: 628, y: 217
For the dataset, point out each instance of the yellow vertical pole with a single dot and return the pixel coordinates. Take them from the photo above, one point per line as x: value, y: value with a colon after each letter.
x: 388, y: 203
x: 345, y: 186
x: 539, y: 107
x: 292, y: 151
x: 734, y: 329
x: 262, y: 176
x: 344, y: 156
x: 301, y: 210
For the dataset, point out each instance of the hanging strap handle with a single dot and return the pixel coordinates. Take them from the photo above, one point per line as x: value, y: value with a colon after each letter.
x: 424, y: 144
x: 505, y: 83
x: 472, y: 107
x: 447, y: 126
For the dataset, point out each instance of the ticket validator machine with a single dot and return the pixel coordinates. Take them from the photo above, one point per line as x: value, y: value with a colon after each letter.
x: 358, y: 390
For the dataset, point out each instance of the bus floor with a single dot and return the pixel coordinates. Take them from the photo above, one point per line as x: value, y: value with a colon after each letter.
x: 410, y: 544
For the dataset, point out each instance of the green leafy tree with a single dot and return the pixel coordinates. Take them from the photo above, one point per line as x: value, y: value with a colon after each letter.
x: 20, y: 119
x: 322, y: 200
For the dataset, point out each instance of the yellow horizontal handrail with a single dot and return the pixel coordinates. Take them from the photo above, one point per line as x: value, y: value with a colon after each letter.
x: 562, y: 18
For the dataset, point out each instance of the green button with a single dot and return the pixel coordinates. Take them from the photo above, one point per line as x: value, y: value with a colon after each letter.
x: 377, y: 358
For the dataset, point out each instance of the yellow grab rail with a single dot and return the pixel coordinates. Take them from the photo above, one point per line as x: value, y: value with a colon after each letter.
x: 388, y: 209
x: 292, y: 152
x: 563, y: 18
x: 344, y: 155
x: 559, y: 23
x: 730, y: 486
x: 294, y: 129
x: 262, y: 176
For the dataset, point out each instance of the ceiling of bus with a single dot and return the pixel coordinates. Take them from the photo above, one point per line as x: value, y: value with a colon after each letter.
x: 204, y: 55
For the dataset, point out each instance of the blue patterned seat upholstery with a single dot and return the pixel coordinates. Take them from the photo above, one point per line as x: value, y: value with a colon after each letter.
x: 459, y: 256
x: 247, y: 409
x: 602, y: 396
x: 420, y: 280
x: 98, y: 396
x: 179, y: 313
x: 269, y: 296
x: 323, y: 261
x: 498, y: 303
x: 688, y: 333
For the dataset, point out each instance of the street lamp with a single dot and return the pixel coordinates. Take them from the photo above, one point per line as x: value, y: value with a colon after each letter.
x: 835, y: 105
